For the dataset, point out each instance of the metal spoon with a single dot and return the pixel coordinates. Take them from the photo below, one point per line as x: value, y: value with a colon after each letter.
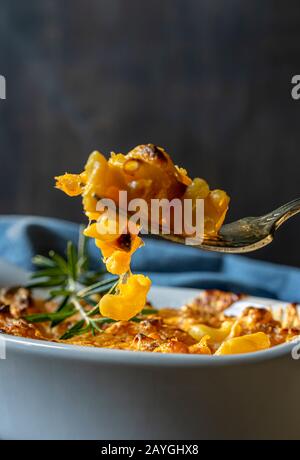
x: 247, y: 234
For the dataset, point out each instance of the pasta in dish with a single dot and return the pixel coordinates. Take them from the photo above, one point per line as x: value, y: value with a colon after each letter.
x: 200, y: 327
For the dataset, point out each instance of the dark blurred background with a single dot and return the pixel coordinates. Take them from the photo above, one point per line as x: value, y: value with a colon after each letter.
x: 209, y: 80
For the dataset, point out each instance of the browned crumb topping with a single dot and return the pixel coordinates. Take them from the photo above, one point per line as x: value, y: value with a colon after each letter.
x: 200, y: 327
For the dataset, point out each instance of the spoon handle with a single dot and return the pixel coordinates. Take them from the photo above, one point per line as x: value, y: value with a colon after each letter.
x: 283, y: 213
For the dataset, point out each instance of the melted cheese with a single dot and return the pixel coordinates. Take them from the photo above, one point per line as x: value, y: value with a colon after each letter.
x: 146, y: 172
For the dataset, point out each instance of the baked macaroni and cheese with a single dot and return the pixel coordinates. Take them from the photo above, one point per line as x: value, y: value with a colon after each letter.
x: 146, y: 172
x: 86, y: 308
x: 200, y: 327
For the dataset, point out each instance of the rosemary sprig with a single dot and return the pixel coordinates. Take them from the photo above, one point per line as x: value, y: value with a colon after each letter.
x: 71, y: 281
x: 56, y: 316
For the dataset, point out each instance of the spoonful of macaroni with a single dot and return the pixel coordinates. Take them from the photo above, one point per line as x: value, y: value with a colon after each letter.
x: 144, y: 192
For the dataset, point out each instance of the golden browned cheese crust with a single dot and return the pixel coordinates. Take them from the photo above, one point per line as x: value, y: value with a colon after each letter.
x: 167, y: 331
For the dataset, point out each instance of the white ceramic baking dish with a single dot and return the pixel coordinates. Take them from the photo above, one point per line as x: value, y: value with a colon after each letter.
x: 57, y: 391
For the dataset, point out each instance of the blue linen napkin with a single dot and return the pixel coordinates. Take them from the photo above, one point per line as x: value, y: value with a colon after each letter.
x: 167, y: 264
